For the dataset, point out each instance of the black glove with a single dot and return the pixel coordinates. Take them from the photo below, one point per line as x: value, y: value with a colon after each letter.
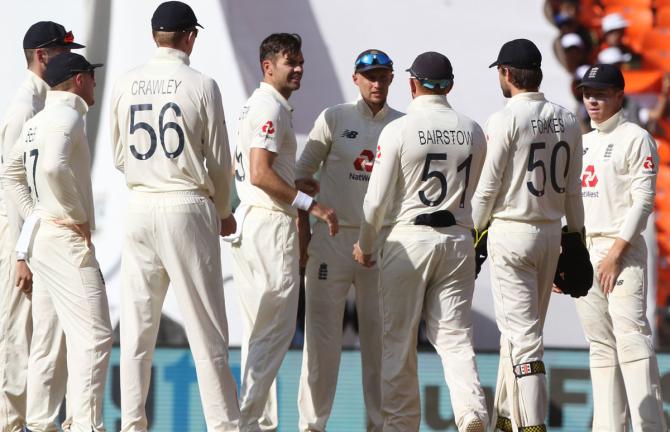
x: 481, y: 252
x: 574, y: 272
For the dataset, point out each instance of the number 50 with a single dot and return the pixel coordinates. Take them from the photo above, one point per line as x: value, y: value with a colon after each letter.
x: 539, y: 163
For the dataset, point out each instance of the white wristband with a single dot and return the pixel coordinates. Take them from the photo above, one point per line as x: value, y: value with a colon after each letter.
x: 302, y: 201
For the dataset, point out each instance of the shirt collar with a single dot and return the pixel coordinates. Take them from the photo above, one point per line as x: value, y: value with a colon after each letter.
x: 610, y: 124
x: 526, y: 96
x: 165, y: 54
x: 428, y: 101
x: 56, y: 97
x: 366, y: 112
x: 269, y: 89
x: 39, y: 86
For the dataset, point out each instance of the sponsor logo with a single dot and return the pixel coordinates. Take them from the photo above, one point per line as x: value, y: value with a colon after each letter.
x: 649, y: 164
x: 589, y: 177
x: 323, y: 271
x: 619, y: 282
x: 379, y: 152
x: 351, y: 134
x: 364, y: 161
x: 585, y: 150
x: 268, y: 128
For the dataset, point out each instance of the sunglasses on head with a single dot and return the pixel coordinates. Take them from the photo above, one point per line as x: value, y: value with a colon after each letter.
x: 373, y: 59
x: 432, y: 84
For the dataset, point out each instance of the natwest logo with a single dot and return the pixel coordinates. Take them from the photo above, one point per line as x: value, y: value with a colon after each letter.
x: 268, y: 128
x: 649, y: 164
x: 364, y: 162
x: 589, y: 177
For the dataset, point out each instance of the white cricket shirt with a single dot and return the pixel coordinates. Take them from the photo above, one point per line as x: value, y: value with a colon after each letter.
x: 533, y: 164
x: 62, y: 174
x: 265, y: 122
x: 618, y: 178
x: 429, y: 160
x: 169, y: 130
x: 343, y: 143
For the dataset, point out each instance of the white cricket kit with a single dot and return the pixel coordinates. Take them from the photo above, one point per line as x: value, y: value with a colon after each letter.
x: 529, y: 182
x: 266, y: 257
x: 39, y: 345
x: 425, y: 170
x: 170, y: 140
x: 343, y: 144
x: 618, y: 189
x: 64, y: 265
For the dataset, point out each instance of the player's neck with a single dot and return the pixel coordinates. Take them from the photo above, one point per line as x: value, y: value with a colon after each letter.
x: 515, y: 91
x: 38, y: 70
x: 375, y: 107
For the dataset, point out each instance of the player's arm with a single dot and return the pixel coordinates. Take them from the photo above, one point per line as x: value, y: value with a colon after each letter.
x: 117, y: 143
x: 15, y: 183
x: 314, y: 154
x: 574, y: 206
x: 495, y: 164
x: 642, y: 164
x: 217, y: 155
x: 381, y: 190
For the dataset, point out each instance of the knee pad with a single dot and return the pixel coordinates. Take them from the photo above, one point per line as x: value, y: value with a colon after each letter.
x: 531, y: 368
x: 503, y: 424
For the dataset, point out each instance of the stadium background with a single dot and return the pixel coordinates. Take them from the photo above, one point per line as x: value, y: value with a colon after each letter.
x: 470, y: 33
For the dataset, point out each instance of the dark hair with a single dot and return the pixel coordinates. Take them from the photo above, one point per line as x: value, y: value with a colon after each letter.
x: 525, y: 79
x: 280, y: 43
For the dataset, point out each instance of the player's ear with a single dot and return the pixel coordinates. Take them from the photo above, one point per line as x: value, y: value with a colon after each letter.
x: 412, y: 86
x: 354, y: 78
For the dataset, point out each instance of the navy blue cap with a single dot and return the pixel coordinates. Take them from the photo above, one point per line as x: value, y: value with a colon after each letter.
x: 66, y: 65
x: 432, y: 66
x: 45, y: 34
x: 173, y: 16
x: 519, y: 53
x: 603, y: 76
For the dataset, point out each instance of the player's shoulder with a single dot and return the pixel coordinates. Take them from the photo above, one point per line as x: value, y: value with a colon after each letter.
x: 394, y: 114
x: 339, y: 110
x: 263, y: 103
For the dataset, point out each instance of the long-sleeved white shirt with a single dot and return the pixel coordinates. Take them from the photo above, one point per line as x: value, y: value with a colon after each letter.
x: 533, y: 163
x: 618, y: 178
x: 62, y: 162
x: 265, y: 122
x: 343, y: 143
x: 169, y: 130
x: 429, y: 160
x: 28, y: 101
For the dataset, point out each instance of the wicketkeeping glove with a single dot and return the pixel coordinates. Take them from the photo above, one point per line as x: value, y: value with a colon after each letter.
x: 481, y: 252
x: 574, y: 272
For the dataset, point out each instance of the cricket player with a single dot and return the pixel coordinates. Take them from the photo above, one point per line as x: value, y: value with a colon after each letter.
x: 169, y: 138
x: 266, y: 253
x: 32, y: 398
x: 342, y: 144
x: 61, y: 253
x: 425, y: 169
x: 618, y: 188
x: 529, y: 182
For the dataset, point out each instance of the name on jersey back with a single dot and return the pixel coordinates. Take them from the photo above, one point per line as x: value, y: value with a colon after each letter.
x: 550, y: 125
x: 446, y: 137
x: 155, y: 87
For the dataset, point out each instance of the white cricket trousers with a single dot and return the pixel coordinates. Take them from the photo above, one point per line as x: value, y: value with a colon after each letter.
x: 47, y: 365
x: 15, y: 332
x: 174, y: 237
x: 621, y: 350
x: 67, y: 268
x: 267, y: 281
x: 329, y: 274
x: 430, y: 273
x: 522, y: 262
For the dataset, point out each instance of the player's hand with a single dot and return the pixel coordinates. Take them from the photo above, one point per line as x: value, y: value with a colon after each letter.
x: 24, y: 277
x: 364, y: 259
x: 608, y: 271
x: 327, y: 215
x: 307, y: 185
x: 83, y: 229
x: 556, y: 289
x: 228, y: 226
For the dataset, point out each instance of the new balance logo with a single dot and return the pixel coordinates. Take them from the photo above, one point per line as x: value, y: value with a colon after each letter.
x: 351, y: 134
x: 323, y: 271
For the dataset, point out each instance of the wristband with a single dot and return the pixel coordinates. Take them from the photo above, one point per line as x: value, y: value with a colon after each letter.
x: 302, y: 201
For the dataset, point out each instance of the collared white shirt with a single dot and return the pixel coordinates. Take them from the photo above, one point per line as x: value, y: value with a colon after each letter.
x: 533, y: 163
x: 265, y: 122
x: 428, y: 160
x: 169, y: 130
x: 618, y: 178
x: 343, y: 144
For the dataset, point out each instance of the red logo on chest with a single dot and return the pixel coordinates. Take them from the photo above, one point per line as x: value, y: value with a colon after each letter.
x: 268, y: 128
x: 364, y: 161
x: 589, y: 177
